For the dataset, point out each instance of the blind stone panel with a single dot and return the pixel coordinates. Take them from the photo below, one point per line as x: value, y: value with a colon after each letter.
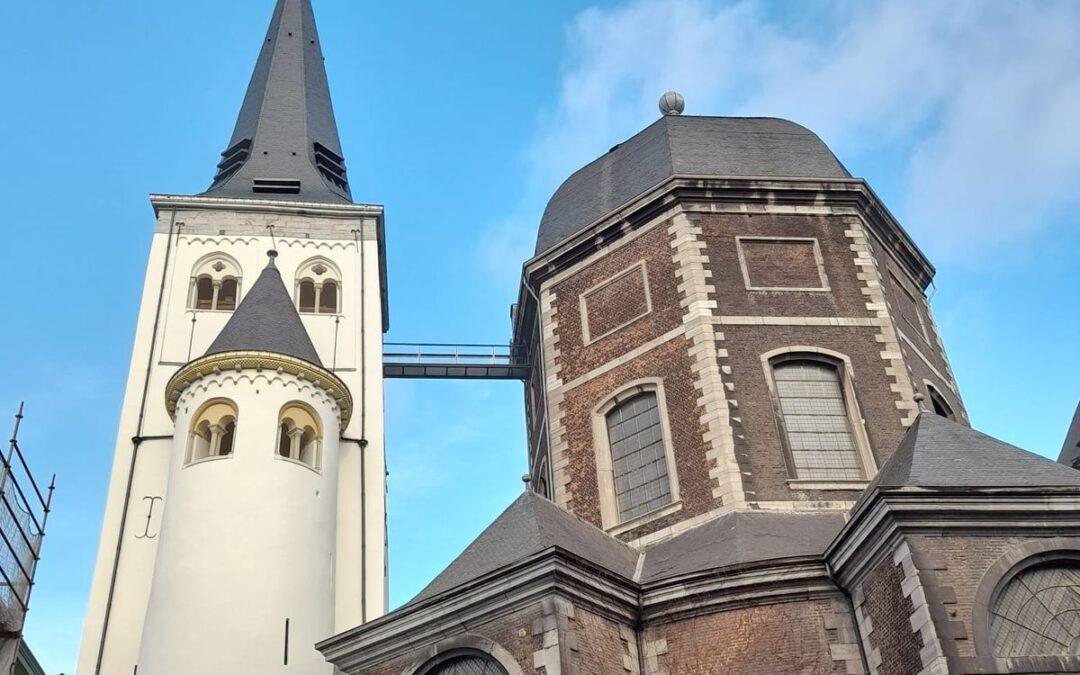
x: 638, y: 457
x: 816, y: 421
x: 778, y: 263
x: 615, y: 303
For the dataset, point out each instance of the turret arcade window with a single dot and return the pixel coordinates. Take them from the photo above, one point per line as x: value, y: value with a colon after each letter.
x: 300, y: 435
x: 213, y: 431
x: 215, y: 284
x: 817, y: 418
x: 318, y: 287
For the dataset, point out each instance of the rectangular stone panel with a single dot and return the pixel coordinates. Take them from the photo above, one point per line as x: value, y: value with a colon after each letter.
x: 614, y: 303
x: 781, y: 264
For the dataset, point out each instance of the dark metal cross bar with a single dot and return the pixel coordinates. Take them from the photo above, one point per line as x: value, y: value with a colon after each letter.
x: 444, y: 361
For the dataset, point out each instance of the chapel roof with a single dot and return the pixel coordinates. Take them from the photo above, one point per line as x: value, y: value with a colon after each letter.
x: 683, y: 145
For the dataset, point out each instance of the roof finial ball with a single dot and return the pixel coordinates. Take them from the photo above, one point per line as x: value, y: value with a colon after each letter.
x: 672, y: 103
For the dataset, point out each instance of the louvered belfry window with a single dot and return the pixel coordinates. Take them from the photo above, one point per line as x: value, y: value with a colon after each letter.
x: 816, y: 421
x: 638, y: 457
x: 468, y: 664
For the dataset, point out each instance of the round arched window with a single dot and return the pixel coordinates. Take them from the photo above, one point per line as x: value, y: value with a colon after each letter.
x: 1037, y: 612
x: 467, y: 664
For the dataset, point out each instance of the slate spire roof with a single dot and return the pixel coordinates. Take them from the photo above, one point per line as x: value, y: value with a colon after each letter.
x: 266, y: 321
x: 285, y: 144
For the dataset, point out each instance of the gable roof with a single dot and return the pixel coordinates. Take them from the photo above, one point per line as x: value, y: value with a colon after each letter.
x: 528, y: 526
x: 286, y: 136
x: 939, y: 453
x: 752, y: 147
x: 266, y: 321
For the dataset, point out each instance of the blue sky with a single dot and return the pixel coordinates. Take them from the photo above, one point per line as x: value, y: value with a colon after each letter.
x: 462, y: 118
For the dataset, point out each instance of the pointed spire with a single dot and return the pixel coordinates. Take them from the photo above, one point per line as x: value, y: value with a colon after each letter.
x: 266, y: 321
x: 285, y: 144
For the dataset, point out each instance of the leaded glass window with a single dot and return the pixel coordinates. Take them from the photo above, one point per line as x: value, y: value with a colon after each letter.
x: 638, y: 456
x: 1037, y: 613
x: 816, y: 421
x: 468, y: 664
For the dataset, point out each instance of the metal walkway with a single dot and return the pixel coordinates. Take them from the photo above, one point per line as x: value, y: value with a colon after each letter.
x: 441, y: 361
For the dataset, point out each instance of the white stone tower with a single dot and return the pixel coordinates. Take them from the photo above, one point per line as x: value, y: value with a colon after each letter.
x: 245, y: 518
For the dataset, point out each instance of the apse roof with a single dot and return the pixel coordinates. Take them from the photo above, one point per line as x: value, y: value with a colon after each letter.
x: 285, y: 144
x: 939, y: 453
x: 266, y: 321
x: 760, y: 147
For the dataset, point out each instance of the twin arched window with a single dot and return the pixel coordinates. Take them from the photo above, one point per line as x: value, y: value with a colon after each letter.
x: 212, y: 433
x: 318, y: 288
x: 215, y: 284
x: 300, y: 435
x: 816, y: 417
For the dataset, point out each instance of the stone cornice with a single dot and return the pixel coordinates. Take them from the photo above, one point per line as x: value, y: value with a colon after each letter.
x: 887, y: 515
x: 550, y: 572
x: 259, y: 361
x: 714, y: 590
x: 555, y: 572
x: 352, y: 211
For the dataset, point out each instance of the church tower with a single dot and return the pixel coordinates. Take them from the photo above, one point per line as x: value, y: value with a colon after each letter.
x: 245, y: 518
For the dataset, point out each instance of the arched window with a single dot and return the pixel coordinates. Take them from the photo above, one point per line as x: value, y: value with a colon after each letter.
x: 469, y: 663
x: 227, y: 295
x: 1037, y: 612
x: 204, y: 293
x: 307, y: 296
x: 638, y: 456
x: 300, y: 435
x: 215, y: 283
x: 941, y: 406
x: 328, y: 300
x: 816, y: 418
x: 213, y: 431
x: 318, y: 287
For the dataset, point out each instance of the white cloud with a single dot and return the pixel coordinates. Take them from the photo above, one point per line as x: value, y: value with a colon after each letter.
x: 975, y: 103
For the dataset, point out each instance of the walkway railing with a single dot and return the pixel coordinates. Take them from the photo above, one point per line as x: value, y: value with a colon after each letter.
x: 440, y: 360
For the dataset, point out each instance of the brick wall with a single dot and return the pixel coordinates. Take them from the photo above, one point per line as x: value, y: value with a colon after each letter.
x: 886, y: 616
x: 794, y: 637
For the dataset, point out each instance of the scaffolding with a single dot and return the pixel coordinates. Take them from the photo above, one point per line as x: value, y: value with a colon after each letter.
x: 24, y: 511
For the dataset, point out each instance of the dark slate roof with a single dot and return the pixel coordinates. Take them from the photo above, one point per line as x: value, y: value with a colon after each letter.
x: 530, y: 525
x: 266, y: 321
x: 1070, y: 449
x: 762, y: 147
x: 740, y: 538
x: 286, y: 111
x: 939, y: 453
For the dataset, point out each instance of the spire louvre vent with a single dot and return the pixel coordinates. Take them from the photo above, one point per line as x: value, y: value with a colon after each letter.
x: 331, y: 165
x: 232, y: 159
x: 276, y: 186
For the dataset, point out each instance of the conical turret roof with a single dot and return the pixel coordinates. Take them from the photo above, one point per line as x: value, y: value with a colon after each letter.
x: 267, y: 321
x: 285, y: 144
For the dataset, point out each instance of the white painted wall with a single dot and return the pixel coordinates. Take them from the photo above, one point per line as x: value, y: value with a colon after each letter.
x: 239, y: 229
x: 247, y: 541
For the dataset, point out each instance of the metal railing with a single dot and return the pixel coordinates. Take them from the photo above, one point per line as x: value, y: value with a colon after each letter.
x: 443, y: 360
x: 457, y: 354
